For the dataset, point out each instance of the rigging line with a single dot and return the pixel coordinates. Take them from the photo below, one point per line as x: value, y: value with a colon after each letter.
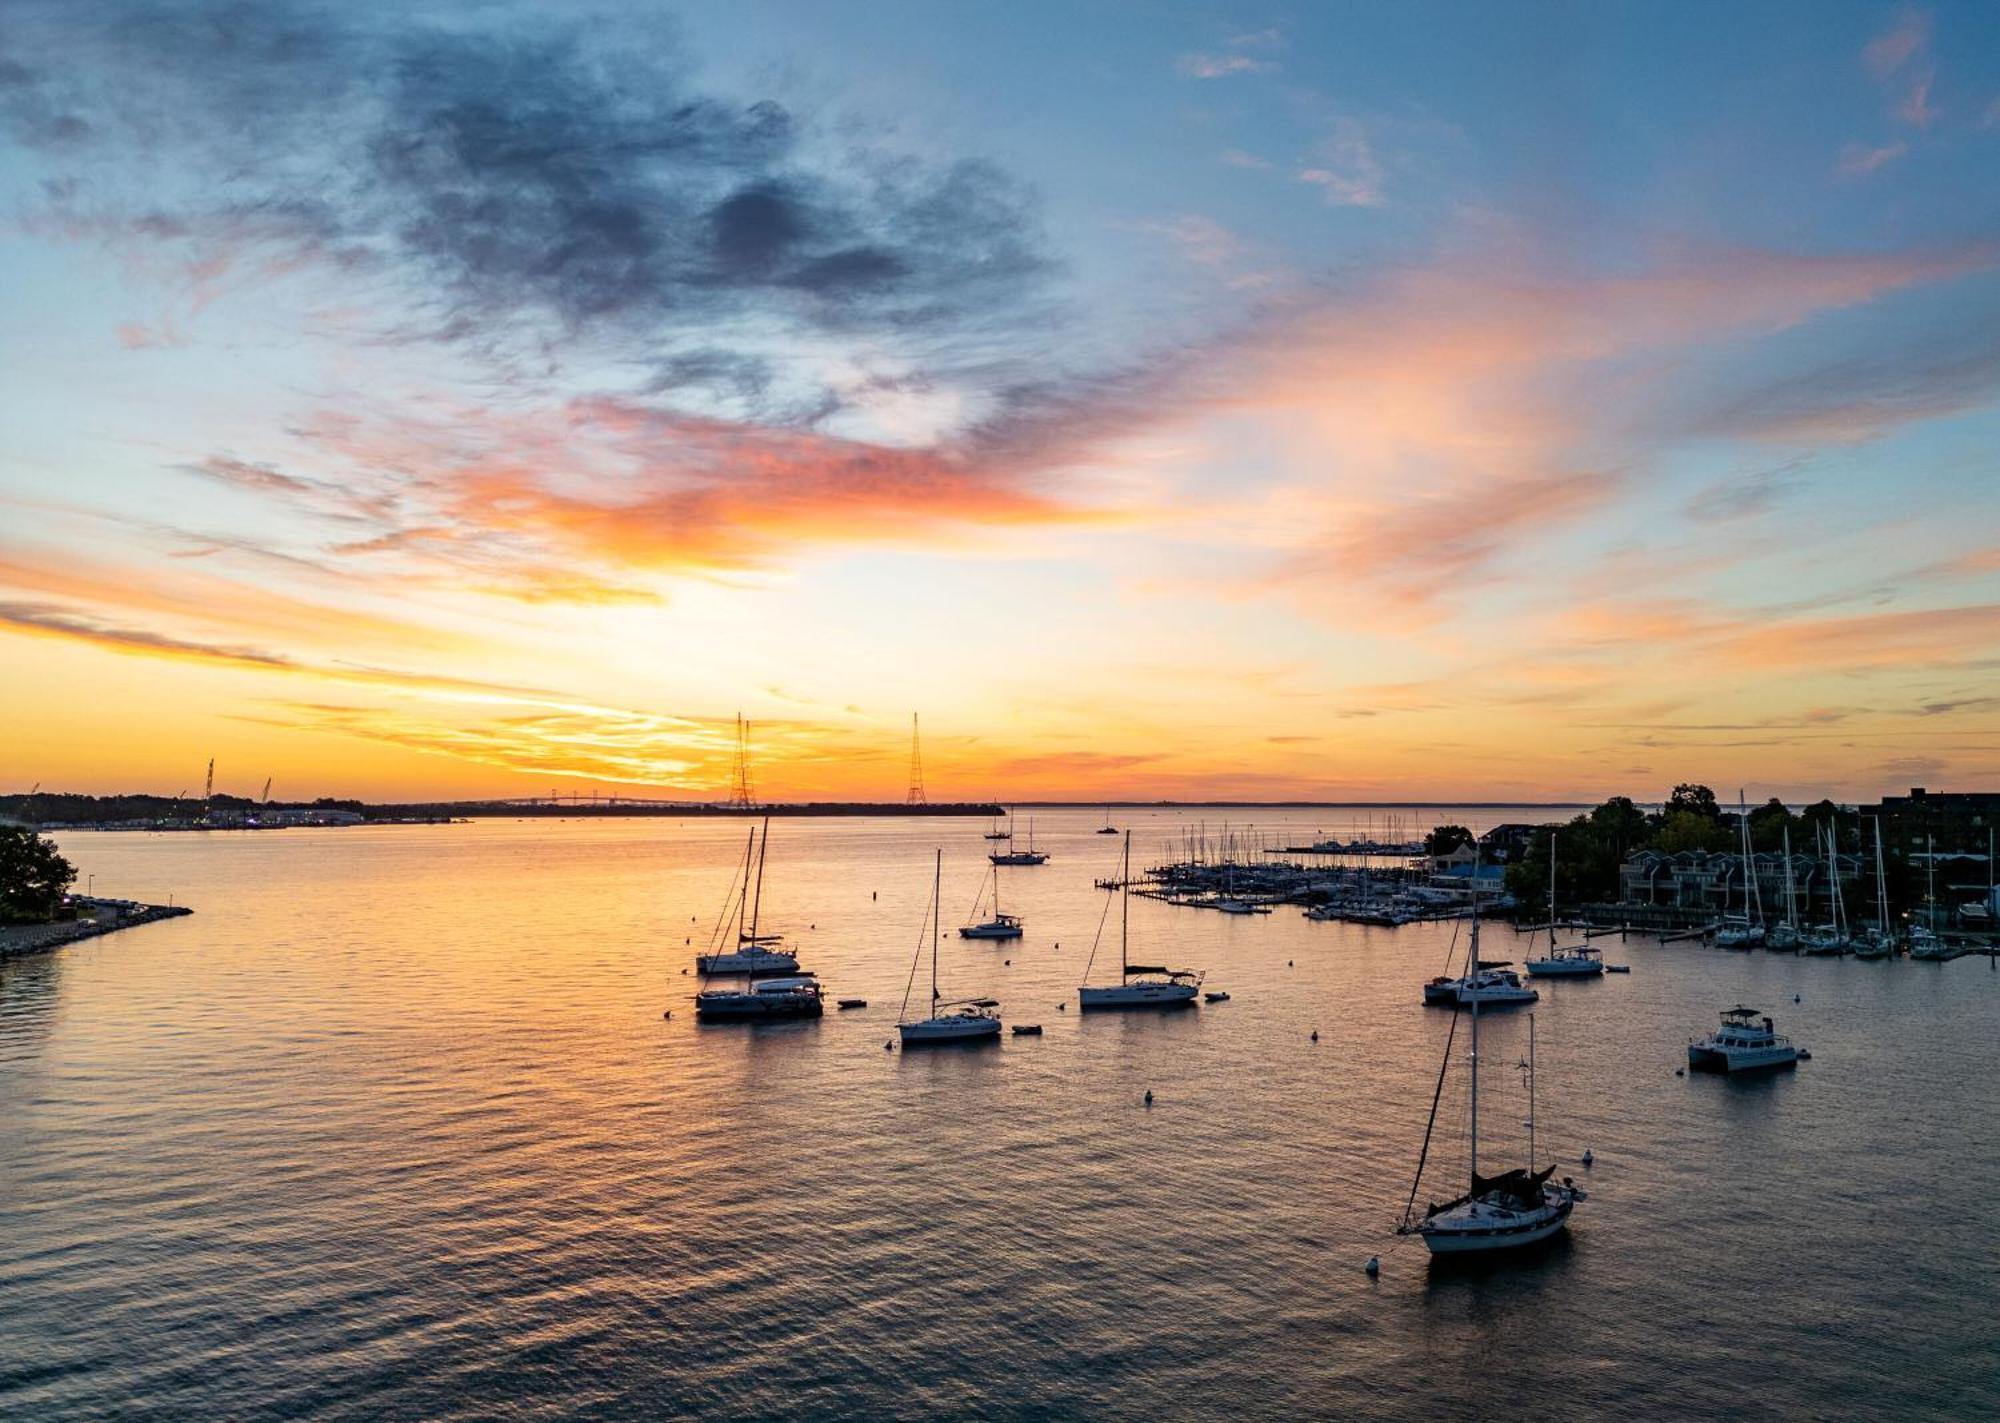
x: 910, y: 987
x: 972, y: 915
x: 715, y: 934
x: 1102, y: 919
x: 1451, y: 948
x: 1436, y: 1095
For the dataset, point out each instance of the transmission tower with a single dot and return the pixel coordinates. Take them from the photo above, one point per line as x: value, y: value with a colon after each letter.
x: 916, y: 796
x: 741, y: 798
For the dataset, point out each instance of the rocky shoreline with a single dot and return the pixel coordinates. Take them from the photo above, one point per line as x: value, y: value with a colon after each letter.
x: 41, y: 938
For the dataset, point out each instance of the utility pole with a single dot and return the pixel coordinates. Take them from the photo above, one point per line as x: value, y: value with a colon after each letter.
x: 916, y: 795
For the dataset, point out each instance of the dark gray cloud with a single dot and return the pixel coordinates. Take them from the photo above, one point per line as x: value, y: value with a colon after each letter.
x: 525, y: 181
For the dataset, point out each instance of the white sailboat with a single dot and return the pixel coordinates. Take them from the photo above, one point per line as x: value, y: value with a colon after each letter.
x: 1564, y: 960
x: 1784, y: 938
x: 1830, y: 939
x: 1138, y: 986
x: 1029, y: 856
x: 959, y: 1020
x: 1000, y: 926
x: 1877, y: 943
x: 1505, y: 1212
x: 1745, y: 930
x: 755, y: 953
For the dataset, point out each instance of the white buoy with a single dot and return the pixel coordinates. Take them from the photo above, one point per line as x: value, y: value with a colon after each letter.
x: 1374, y: 1266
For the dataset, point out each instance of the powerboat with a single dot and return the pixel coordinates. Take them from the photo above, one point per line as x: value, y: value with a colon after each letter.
x: 955, y: 1021
x: 1139, y: 985
x: 1495, y: 987
x: 797, y: 997
x: 1746, y: 1042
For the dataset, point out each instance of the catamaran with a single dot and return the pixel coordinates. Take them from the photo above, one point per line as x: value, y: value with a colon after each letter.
x: 1564, y: 960
x: 1139, y: 985
x: 957, y: 1021
x: 755, y: 953
x: 793, y: 997
x: 1029, y: 856
x: 1504, y: 1212
x: 1000, y: 926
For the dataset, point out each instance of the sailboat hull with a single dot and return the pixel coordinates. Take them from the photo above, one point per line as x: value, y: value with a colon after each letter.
x: 751, y: 961
x: 1474, y: 1237
x: 1138, y: 995
x: 1565, y: 968
x: 934, y: 1031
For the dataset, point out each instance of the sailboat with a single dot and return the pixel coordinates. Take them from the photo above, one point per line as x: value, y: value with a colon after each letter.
x: 1745, y: 930
x: 967, y: 1019
x: 1564, y: 960
x: 1504, y: 1212
x: 996, y: 833
x: 1784, y: 938
x: 1000, y: 926
x: 1830, y: 939
x: 1877, y: 943
x: 1029, y: 856
x: 754, y: 953
x: 1139, y: 985
x: 1925, y: 944
x: 1107, y: 828
x: 795, y: 996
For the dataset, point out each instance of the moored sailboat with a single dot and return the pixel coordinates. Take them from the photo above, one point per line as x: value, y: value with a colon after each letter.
x: 1029, y: 856
x: 1563, y: 960
x: 755, y: 953
x: 1000, y: 926
x: 959, y: 1020
x: 1516, y: 1208
x: 1139, y: 985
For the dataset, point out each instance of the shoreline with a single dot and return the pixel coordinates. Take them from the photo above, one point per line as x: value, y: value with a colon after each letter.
x: 22, y: 939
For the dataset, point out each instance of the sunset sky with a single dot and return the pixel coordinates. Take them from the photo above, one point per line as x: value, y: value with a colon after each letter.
x: 1330, y: 400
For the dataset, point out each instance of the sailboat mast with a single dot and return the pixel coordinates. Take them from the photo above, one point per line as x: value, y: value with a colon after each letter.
x: 757, y: 901
x: 937, y: 908
x: 1882, y: 885
x: 1531, y: 1092
x: 1791, y: 897
x: 1124, y: 905
x: 1475, y: 1090
x: 1552, y: 892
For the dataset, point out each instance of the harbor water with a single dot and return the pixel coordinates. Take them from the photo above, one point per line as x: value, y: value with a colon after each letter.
x: 393, y: 1127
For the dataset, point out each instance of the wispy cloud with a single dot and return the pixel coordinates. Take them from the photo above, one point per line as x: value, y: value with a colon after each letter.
x: 1859, y: 159
x: 1345, y: 167
x: 1221, y: 66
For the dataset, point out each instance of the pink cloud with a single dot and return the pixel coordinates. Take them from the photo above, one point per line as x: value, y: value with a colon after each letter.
x: 1858, y: 158
x: 1897, y: 45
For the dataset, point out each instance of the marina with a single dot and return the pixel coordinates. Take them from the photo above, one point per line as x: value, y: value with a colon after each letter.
x: 577, y: 1085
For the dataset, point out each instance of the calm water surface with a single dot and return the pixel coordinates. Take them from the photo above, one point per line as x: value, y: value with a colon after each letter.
x: 393, y: 1127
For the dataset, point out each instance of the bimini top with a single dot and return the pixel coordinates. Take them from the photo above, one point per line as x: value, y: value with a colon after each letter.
x: 804, y: 983
x: 971, y: 1003
x: 1747, y: 1015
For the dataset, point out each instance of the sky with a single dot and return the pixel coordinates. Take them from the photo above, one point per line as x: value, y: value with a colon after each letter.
x: 1332, y: 401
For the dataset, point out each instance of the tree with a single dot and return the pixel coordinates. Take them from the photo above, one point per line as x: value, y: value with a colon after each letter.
x: 33, y: 876
x: 1768, y: 824
x: 1685, y: 829
x: 1620, y: 826
x: 1694, y: 800
x: 1443, y: 839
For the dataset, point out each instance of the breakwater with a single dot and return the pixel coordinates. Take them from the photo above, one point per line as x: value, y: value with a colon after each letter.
x: 18, y: 939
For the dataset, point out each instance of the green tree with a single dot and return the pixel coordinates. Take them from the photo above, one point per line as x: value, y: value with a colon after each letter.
x: 1620, y: 826
x: 1443, y: 839
x: 1768, y: 824
x: 33, y: 876
x: 1689, y: 830
x: 1694, y: 800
